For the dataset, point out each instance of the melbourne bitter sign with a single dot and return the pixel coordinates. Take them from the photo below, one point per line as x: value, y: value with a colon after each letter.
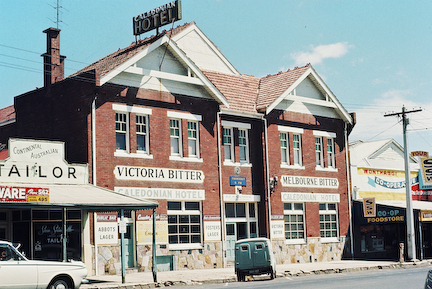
x: 155, y: 18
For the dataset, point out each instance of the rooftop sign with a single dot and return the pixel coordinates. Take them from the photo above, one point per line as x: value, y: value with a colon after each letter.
x: 155, y: 18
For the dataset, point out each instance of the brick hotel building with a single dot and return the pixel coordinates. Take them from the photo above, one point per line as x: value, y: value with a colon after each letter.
x: 226, y: 155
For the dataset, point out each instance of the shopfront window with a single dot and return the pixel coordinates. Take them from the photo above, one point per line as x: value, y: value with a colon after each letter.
x: 48, y: 231
x: 184, y: 222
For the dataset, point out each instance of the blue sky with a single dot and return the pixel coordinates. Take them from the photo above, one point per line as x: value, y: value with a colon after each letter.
x: 376, y: 56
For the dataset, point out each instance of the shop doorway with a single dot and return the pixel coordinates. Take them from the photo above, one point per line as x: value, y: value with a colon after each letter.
x: 241, y: 223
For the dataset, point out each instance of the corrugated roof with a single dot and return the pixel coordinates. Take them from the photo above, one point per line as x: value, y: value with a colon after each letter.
x: 84, y: 196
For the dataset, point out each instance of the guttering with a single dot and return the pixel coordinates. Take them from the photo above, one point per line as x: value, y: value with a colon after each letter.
x: 268, y: 178
x: 241, y: 113
x: 347, y: 163
x: 222, y: 209
x: 93, y: 126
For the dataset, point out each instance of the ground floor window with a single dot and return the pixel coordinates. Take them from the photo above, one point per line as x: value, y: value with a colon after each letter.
x: 294, y: 221
x: 328, y: 220
x: 184, y: 222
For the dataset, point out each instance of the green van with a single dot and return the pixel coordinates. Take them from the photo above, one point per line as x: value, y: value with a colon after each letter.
x: 254, y: 257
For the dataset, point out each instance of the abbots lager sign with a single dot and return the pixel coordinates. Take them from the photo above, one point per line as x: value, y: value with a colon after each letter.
x: 155, y: 18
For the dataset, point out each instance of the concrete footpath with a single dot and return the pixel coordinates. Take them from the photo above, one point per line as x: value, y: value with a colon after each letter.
x: 224, y: 275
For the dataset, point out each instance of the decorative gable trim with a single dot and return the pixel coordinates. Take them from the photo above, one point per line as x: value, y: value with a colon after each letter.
x: 201, y: 80
x: 331, y: 100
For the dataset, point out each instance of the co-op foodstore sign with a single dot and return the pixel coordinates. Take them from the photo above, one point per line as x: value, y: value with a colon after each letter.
x: 155, y: 18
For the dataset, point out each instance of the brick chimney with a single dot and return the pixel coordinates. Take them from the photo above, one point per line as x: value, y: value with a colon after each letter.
x: 53, y: 61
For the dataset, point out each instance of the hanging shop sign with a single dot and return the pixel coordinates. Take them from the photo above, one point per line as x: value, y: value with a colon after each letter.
x: 309, y: 198
x: 155, y: 18
x: 22, y: 194
x: 309, y: 182
x: 425, y: 215
x: 36, y: 162
x: 369, y: 207
x: 162, y: 193
x: 426, y: 174
x: 158, y: 174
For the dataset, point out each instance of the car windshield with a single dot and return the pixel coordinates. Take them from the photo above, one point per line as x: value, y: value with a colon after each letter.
x: 7, y: 253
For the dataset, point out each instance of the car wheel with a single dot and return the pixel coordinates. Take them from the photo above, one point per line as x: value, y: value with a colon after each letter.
x: 60, y: 283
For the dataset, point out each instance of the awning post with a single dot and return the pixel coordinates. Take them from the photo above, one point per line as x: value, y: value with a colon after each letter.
x: 64, y: 239
x: 154, y: 247
x: 122, y: 245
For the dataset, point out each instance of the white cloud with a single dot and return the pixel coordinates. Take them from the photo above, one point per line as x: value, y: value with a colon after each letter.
x: 373, y: 125
x: 320, y: 52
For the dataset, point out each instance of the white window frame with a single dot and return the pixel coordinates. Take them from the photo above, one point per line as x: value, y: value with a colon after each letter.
x: 284, y: 149
x: 329, y: 212
x: 125, y: 132
x: 243, y: 146
x: 145, y: 133
x: 331, y: 153
x: 176, y: 138
x: 228, y: 146
x: 189, y: 117
x: 193, y: 139
x: 128, y: 109
x: 183, y: 211
x: 297, y: 212
x: 332, y: 135
x: 240, y: 126
x: 319, y: 157
x: 297, y: 151
x: 294, y: 131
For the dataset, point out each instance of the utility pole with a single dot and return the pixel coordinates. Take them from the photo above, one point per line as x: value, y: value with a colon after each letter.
x: 411, y: 247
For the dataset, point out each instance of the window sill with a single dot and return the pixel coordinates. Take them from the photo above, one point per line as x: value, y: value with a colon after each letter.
x: 124, y: 154
x: 295, y: 242
x: 319, y: 168
x: 182, y: 159
x: 329, y: 240
x: 233, y: 164
x: 294, y: 167
x: 194, y: 246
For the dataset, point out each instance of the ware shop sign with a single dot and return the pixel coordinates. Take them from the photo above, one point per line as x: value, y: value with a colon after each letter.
x: 40, y: 162
x: 23, y: 195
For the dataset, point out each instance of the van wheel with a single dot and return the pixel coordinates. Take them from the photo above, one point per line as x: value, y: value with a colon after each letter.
x: 240, y: 277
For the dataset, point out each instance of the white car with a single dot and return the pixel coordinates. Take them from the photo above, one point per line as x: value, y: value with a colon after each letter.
x: 16, y: 271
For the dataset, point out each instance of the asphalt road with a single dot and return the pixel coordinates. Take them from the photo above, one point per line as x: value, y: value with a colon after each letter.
x: 413, y: 278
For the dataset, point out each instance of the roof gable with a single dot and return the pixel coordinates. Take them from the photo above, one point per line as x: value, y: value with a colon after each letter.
x: 304, y: 89
x: 202, y: 51
x: 157, y: 63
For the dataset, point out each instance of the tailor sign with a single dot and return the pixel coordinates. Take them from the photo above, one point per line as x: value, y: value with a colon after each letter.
x: 40, y: 162
x: 155, y: 18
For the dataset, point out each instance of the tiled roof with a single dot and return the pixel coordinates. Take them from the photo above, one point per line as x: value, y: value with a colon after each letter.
x: 4, y: 153
x: 111, y: 61
x: 7, y: 113
x: 240, y: 91
x: 272, y: 86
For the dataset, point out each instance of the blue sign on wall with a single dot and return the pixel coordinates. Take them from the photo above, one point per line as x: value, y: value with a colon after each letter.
x: 237, y: 181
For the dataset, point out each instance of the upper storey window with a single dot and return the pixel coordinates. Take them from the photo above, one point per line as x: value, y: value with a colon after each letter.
x: 325, y: 150
x: 236, y: 142
x: 179, y: 135
x: 291, y: 147
x: 129, y: 142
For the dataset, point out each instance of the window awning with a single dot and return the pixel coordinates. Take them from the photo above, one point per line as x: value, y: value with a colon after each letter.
x: 87, y: 196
